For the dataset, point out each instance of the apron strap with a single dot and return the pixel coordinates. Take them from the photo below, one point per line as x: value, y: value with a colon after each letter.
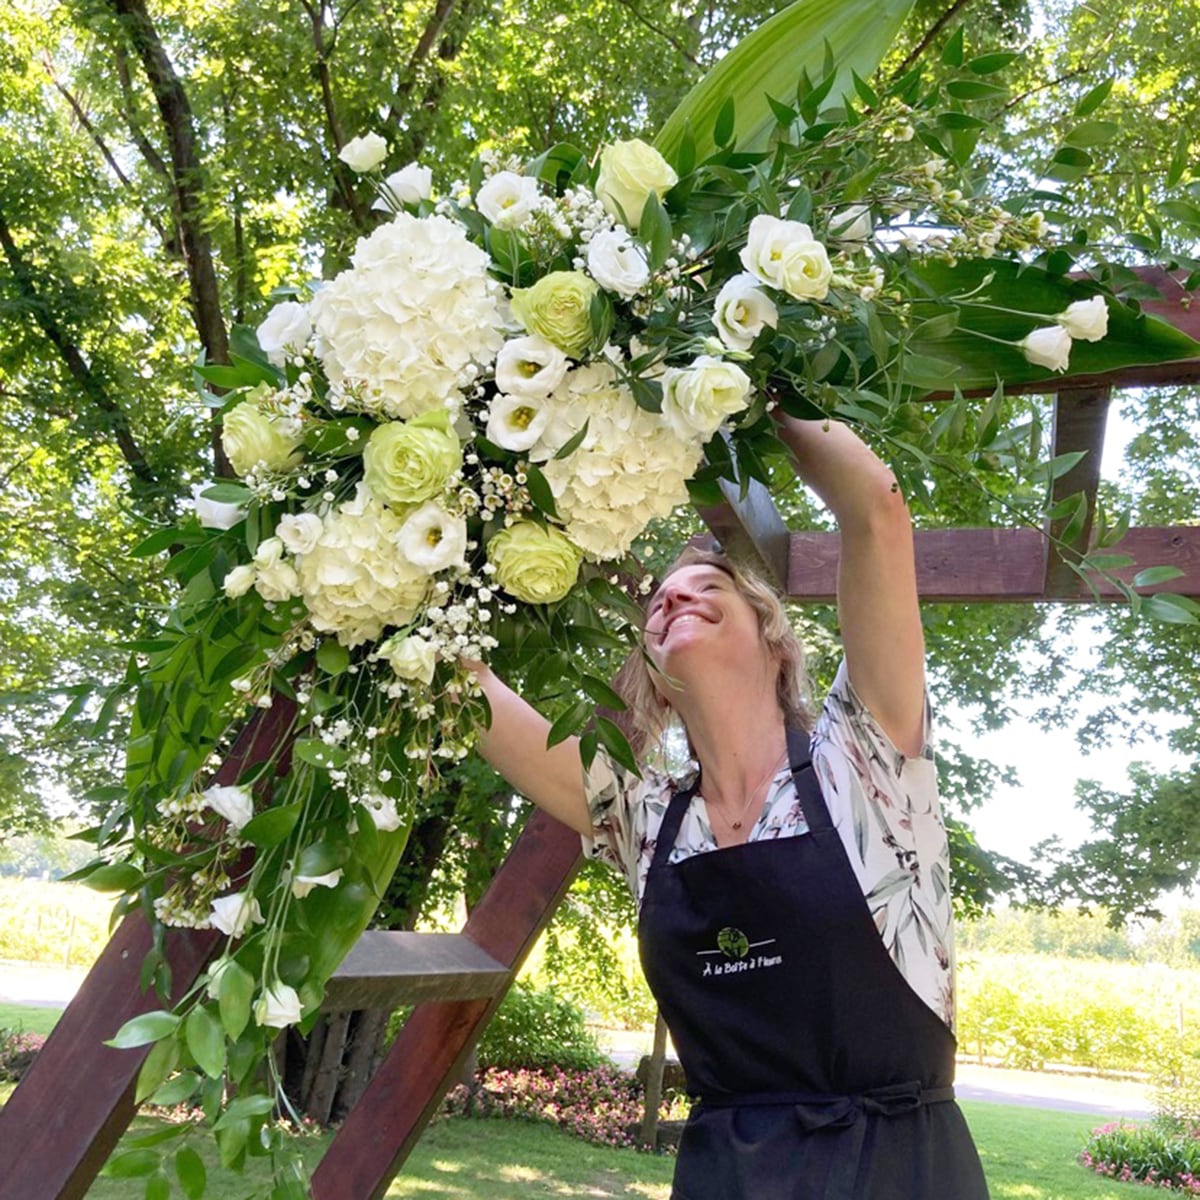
x: 804, y: 779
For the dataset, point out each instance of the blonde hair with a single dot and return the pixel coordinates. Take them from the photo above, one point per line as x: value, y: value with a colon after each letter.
x: 648, y: 713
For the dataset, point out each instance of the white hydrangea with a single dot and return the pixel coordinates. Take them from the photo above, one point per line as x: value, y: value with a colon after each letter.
x: 353, y: 581
x: 630, y: 469
x: 413, y: 319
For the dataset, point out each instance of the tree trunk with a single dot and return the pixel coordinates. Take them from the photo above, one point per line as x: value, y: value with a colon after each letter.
x: 328, y: 1076
x: 366, y: 1044
x: 654, y: 1081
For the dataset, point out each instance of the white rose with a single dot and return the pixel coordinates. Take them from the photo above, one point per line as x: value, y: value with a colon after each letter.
x: 410, y: 657
x: 277, y: 581
x: 617, y: 263
x: 214, y: 514
x: 1086, y: 320
x: 235, y: 804
x: 698, y: 399
x: 508, y: 199
x: 303, y: 884
x: 287, y: 328
x: 785, y: 255
x: 299, y: 532
x: 364, y: 153
x: 277, y: 1007
x: 517, y: 422
x: 255, y: 438
x: 1049, y: 347
x: 432, y: 539
x: 234, y: 914
x: 239, y: 581
x: 852, y: 226
x: 629, y: 172
x: 409, y: 185
x: 529, y: 366
x: 741, y: 311
x: 382, y: 811
x: 268, y: 552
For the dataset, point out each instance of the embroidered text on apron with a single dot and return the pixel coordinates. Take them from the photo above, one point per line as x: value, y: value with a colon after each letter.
x: 822, y: 1075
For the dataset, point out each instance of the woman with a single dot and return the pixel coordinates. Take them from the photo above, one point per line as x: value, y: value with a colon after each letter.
x: 804, y: 970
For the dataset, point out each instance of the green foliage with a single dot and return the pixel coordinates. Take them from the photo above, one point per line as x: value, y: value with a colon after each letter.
x: 1158, y: 1157
x: 1062, y: 933
x: 538, y: 1028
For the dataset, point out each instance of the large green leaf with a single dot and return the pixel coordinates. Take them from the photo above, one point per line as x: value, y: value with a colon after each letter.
x: 1032, y: 297
x: 768, y: 62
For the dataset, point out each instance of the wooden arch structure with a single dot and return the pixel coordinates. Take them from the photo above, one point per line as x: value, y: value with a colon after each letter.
x: 65, y: 1131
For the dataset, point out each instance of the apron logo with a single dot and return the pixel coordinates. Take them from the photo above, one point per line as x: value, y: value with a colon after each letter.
x: 734, y: 947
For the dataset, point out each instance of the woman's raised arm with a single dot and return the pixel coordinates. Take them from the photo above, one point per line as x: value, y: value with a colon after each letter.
x: 877, y: 586
x: 515, y: 744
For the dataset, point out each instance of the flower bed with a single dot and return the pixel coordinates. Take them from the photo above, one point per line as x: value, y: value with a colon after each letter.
x: 1155, y: 1155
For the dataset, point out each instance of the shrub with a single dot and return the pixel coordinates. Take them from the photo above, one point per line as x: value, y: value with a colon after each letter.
x: 602, y: 1105
x: 1148, y: 1154
x: 538, y: 1028
x: 17, y: 1051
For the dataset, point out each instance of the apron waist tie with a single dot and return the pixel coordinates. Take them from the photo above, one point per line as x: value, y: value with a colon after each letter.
x: 887, y: 1101
x: 816, y: 1111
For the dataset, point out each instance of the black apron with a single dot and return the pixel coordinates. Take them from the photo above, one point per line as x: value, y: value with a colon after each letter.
x: 821, y: 1074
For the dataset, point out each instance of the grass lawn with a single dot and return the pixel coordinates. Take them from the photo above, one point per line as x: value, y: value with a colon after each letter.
x: 28, y: 1018
x: 1028, y: 1154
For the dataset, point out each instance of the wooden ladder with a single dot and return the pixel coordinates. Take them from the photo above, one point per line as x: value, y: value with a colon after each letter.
x: 77, y: 1099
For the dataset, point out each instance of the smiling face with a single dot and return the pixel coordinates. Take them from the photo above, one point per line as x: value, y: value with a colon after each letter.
x: 699, y: 616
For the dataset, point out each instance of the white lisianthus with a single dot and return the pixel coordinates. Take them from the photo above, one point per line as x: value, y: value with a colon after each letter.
x: 215, y: 514
x: 303, y: 884
x: 382, y: 811
x: 239, y: 581
x: 298, y: 533
x: 234, y: 914
x: 413, y: 319
x: 285, y: 331
x: 697, y: 399
x: 235, y: 804
x: 516, y: 422
x: 787, y: 256
x: 852, y: 226
x: 278, y: 1006
x: 508, y: 200
x: 629, y: 172
x: 364, y: 153
x: 1049, y: 347
x: 410, y: 657
x: 274, y: 579
x: 213, y: 988
x: 530, y: 366
x: 1085, y: 320
x: 409, y: 185
x: 742, y: 310
x: 617, y: 263
x: 432, y: 539
x: 353, y: 582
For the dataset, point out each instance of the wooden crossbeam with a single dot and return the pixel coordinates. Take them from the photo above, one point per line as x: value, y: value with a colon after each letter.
x: 384, y: 1126
x: 751, y: 530
x: 387, y: 969
x: 999, y: 565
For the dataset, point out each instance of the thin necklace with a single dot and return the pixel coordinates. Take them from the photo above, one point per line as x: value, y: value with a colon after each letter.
x: 754, y: 793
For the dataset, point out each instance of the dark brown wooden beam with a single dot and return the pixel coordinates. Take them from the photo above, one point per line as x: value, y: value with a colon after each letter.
x: 751, y: 530
x: 1080, y: 417
x: 77, y: 1098
x: 998, y: 565
x: 386, y: 969
x: 382, y: 1129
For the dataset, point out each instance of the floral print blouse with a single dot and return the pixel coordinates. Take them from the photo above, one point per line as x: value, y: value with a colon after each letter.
x: 883, y: 804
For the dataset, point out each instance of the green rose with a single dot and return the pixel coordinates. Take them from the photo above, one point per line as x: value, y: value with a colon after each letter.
x: 408, y: 462
x: 558, y: 308
x: 254, y: 438
x: 629, y: 172
x: 534, y: 563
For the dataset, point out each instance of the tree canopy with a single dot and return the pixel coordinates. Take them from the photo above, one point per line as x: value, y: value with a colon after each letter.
x: 167, y: 166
